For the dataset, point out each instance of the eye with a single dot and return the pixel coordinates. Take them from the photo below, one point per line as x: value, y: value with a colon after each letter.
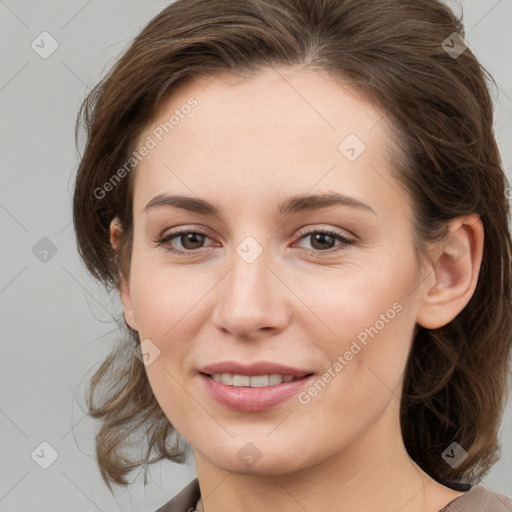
x: 192, y: 239
x: 322, y: 241
x: 189, y: 238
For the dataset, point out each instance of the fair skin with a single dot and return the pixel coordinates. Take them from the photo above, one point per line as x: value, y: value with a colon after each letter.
x: 248, y: 145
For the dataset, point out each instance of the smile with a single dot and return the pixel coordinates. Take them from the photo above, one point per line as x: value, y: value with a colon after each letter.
x: 254, y: 393
x: 255, y: 381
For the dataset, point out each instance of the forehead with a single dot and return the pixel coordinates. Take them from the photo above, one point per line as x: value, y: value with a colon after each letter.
x: 281, y: 132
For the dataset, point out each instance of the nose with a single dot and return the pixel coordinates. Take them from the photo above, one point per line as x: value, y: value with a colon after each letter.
x: 252, y: 299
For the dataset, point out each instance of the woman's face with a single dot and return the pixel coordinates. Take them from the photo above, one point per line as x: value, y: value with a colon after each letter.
x: 322, y: 287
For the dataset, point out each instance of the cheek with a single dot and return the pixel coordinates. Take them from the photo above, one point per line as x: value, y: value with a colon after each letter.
x: 167, y: 302
x: 366, y: 317
x: 163, y: 305
x: 163, y: 298
x: 357, y: 300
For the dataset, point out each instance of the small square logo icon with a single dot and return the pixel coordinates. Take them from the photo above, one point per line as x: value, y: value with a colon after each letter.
x: 455, y: 455
x: 44, y: 45
x: 44, y: 250
x: 147, y: 352
x: 352, y: 147
x: 454, y: 45
x: 44, y: 455
x: 249, y: 249
x: 455, y: 248
x: 249, y: 455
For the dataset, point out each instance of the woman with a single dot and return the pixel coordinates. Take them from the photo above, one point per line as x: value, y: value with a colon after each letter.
x: 303, y: 208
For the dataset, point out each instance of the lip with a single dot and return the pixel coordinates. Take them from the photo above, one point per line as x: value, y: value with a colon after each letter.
x: 247, y: 399
x: 253, y: 369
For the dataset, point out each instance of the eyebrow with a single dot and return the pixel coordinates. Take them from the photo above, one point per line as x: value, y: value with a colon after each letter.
x: 294, y: 204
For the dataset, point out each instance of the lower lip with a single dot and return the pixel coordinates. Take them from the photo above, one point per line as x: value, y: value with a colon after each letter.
x: 247, y: 399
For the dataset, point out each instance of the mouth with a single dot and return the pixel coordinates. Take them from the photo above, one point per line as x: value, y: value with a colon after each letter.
x: 253, y: 388
x: 253, y: 381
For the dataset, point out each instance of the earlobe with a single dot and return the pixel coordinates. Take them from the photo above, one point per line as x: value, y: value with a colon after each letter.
x: 124, y: 287
x: 129, y: 313
x: 455, y: 271
x: 115, y: 233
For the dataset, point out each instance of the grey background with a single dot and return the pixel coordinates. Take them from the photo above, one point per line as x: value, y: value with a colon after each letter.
x: 56, y: 322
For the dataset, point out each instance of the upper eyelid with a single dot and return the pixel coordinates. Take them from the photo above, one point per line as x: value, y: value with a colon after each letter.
x: 186, y: 229
x: 301, y: 232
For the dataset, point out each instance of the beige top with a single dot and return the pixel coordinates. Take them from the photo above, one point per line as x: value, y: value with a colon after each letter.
x: 477, y: 499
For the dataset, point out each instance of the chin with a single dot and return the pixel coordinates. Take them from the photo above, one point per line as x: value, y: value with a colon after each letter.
x: 275, y: 465
x: 244, y: 456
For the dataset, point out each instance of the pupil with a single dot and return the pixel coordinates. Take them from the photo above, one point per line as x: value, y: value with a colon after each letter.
x: 189, y: 237
x: 322, y: 237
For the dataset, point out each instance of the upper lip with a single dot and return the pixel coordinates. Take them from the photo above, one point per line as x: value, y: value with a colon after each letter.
x: 253, y: 369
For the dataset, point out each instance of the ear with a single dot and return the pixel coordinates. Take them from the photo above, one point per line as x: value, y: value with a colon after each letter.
x: 124, y: 285
x: 455, y: 272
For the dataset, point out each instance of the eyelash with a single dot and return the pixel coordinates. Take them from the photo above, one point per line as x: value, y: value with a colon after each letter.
x: 164, y: 241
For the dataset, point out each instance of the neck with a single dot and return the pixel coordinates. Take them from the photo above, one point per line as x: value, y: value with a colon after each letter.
x: 374, y: 473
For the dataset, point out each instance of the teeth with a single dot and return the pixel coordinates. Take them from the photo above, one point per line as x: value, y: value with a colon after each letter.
x: 241, y: 380
x: 275, y: 378
x: 256, y: 381
x: 226, y: 378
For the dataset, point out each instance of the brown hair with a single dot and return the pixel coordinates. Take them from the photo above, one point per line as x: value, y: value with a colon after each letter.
x: 392, y: 52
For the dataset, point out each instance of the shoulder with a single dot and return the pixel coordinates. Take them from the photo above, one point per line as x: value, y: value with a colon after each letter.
x: 185, y: 500
x: 479, y: 499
